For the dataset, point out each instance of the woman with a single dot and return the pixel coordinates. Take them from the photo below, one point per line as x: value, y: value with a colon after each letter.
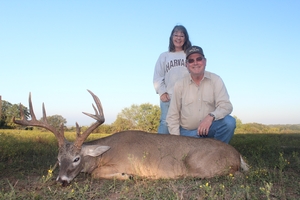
x: 169, y: 68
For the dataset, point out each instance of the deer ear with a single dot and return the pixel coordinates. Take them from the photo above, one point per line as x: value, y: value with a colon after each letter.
x: 94, y: 150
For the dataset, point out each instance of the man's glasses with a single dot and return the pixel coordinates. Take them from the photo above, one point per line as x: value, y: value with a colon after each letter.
x: 193, y: 60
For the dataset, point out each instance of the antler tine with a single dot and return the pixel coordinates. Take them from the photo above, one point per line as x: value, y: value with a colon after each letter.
x: 44, y: 113
x: 23, y: 120
x: 34, y: 122
x: 99, y: 116
x: 31, y: 108
x: 78, y: 130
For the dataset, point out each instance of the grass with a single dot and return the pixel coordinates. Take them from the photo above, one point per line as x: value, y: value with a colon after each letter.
x: 27, y: 159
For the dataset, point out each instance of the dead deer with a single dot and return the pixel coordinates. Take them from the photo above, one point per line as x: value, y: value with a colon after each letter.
x: 127, y: 154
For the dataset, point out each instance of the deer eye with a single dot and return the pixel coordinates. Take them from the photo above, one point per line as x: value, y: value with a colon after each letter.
x: 76, y: 159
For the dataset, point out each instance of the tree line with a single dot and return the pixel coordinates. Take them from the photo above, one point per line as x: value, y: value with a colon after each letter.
x: 136, y: 117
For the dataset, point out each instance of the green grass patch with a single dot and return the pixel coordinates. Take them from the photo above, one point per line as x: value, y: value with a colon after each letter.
x: 27, y: 159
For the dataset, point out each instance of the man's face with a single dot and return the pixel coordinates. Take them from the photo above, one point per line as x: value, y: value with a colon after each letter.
x: 196, y: 64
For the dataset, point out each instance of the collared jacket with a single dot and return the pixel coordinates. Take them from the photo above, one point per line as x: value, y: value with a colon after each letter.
x: 191, y: 103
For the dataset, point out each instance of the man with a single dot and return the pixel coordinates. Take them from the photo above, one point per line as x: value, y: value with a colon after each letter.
x: 200, y: 104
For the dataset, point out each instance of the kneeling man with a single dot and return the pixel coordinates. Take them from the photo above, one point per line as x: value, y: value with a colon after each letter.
x: 200, y: 104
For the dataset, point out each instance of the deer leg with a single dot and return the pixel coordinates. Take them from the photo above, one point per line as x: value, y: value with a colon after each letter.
x: 110, y: 173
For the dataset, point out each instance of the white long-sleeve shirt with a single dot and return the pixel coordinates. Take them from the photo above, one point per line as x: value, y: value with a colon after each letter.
x: 170, y: 67
x: 191, y: 103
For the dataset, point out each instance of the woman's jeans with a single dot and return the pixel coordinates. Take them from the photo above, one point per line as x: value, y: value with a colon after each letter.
x: 164, y: 107
x: 222, y: 129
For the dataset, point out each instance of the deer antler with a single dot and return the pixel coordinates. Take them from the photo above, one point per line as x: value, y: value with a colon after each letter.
x: 43, y: 123
x: 99, y: 116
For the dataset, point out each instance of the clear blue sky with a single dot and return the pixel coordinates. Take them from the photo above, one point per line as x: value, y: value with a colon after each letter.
x: 58, y: 49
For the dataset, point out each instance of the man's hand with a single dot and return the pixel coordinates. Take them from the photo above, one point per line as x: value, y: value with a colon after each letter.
x: 165, y: 97
x: 205, y: 125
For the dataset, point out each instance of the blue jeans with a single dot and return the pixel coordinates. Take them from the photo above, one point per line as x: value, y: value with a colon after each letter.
x: 222, y: 130
x: 164, y: 107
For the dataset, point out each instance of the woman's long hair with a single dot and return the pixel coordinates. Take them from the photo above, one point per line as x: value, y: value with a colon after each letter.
x: 187, y: 42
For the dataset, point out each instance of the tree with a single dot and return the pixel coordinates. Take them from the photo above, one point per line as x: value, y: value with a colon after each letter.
x: 122, y: 124
x: 9, y: 111
x: 104, y: 128
x: 148, y: 117
x: 56, y: 121
x: 138, y: 117
x: 239, y: 124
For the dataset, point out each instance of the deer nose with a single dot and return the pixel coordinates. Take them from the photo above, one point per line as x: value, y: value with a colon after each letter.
x: 64, y: 183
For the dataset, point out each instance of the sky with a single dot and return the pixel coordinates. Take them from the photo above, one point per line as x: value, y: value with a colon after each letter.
x: 58, y: 49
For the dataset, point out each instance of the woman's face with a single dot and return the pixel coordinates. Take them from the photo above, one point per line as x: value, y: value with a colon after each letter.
x: 178, y: 39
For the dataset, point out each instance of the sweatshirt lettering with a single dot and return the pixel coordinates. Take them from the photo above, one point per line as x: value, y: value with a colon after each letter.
x: 175, y: 63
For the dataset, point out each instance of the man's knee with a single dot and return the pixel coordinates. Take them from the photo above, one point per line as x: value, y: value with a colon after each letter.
x: 230, y: 122
x: 224, y: 128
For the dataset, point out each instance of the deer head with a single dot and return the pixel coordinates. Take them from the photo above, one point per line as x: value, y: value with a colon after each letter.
x: 72, y: 155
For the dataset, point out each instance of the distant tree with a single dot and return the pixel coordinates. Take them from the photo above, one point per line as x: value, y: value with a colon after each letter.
x: 148, y: 117
x: 122, y: 124
x: 82, y: 128
x: 56, y: 121
x: 9, y: 111
x: 104, y: 128
x: 71, y: 129
x: 238, y: 123
x: 138, y: 117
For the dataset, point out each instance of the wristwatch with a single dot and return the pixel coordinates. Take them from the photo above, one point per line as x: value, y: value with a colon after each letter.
x: 212, y: 115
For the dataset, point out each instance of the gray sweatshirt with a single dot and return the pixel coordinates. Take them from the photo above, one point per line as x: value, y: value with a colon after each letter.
x: 170, y: 67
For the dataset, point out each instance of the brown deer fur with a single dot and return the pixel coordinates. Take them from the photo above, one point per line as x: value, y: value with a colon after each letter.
x: 130, y: 154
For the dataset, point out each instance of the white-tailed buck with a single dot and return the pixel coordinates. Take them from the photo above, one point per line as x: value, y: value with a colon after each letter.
x: 128, y: 154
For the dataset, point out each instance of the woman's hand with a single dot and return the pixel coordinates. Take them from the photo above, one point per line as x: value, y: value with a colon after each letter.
x: 165, y: 97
